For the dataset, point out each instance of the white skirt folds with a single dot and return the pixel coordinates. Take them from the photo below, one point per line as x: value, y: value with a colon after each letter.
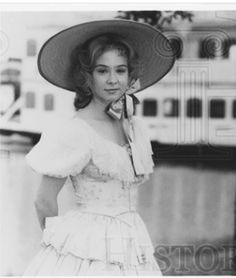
x: 95, y: 243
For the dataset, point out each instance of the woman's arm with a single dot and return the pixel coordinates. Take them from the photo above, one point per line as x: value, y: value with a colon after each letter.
x: 46, y: 199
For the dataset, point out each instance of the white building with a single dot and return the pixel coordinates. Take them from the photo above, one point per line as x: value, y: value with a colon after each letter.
x: 194, y: 103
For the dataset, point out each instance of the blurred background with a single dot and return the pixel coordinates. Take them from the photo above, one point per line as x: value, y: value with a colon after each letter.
x: 189, y: 203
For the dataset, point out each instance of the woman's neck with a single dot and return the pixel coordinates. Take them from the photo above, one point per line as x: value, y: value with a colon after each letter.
x: 96, y: 109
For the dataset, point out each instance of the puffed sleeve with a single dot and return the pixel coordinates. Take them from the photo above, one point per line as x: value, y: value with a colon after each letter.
x: 143, y: 144
x: 63, y: 150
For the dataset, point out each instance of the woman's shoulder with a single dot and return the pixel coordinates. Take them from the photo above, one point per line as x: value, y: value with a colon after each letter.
x: 63, y: 149
x: 67, y: 130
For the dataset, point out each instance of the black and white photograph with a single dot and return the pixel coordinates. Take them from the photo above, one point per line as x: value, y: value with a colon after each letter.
x: 118, y: 142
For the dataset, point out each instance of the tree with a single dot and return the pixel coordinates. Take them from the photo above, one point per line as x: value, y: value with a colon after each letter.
x: 155, y: 18
x: 158, y: 19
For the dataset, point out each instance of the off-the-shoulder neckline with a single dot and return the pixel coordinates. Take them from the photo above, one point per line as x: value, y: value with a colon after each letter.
x: 125, y: 146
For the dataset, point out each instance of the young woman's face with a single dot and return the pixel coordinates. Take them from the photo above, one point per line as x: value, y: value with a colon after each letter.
x: 110, y: 76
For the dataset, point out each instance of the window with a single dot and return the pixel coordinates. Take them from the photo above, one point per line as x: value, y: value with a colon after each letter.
x: 217, y: 108
x: 194, y: 108
x: 149, y: 107
x: 30, y: 100
x: 31, y: 48
x: 48, y: 102
x: 177, y: 46
x: 234, y: 109
x: 171, y: 107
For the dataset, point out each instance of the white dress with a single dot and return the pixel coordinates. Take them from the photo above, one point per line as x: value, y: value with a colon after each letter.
x: 103, y: 235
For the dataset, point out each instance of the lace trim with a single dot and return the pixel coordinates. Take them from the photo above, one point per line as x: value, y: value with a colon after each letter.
x: 66, y: 151
x: 91, y: 236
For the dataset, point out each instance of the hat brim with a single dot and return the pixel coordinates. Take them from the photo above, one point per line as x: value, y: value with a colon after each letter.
x: 156, y: 56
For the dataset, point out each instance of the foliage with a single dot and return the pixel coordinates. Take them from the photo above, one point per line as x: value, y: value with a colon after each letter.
x: 155, y: 18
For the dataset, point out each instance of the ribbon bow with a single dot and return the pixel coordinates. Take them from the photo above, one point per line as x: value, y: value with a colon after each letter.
x: 123, y: 109
x: 124, y: 105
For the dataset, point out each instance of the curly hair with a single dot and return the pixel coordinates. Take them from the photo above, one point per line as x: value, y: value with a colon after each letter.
x: 83, y: 60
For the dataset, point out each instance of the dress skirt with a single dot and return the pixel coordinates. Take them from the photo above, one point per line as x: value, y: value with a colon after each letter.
x: 92, y: 243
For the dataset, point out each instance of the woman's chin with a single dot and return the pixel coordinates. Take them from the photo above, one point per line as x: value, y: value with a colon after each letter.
x: 113, y: 97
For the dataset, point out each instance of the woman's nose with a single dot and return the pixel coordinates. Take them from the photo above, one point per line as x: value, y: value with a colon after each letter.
x: 112, y: 78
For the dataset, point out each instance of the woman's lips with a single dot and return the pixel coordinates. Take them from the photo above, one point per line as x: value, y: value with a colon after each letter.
x: 112, y: 90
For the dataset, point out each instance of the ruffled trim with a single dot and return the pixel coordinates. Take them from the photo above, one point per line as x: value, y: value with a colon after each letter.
x: 113, y: 160
x: 48, y: 262
x: 122, y: 239
x: 61, y: 151
x: 69, y: 146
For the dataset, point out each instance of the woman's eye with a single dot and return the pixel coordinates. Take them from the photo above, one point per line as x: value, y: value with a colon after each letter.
x: 102, y: 71
x: 120, y: 71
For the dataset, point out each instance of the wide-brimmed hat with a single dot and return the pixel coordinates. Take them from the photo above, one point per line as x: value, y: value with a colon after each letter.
x: 156, y: 56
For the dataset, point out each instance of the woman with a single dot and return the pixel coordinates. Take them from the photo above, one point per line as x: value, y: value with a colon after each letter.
x: 103, y: 149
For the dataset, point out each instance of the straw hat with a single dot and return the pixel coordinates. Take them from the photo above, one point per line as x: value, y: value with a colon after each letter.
x: 156, y: 56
